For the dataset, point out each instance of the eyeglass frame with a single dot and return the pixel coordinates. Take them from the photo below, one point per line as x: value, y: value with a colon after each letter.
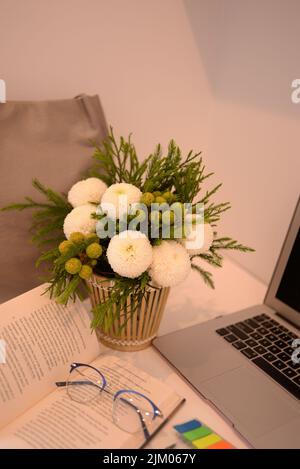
x: 156, y: 411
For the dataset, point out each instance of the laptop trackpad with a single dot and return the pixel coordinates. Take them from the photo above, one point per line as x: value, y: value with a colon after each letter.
x: 249, y: 400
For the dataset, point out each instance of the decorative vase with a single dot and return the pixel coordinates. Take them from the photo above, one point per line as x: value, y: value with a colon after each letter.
x: 141, y: 321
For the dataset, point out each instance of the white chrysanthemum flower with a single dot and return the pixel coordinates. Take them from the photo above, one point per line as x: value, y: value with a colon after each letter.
x: 199, y: 238
x: 79, y: 219
x: 170, y: 265
x: 117, y: 198
x: 88, y: 190
x: 129, y: 253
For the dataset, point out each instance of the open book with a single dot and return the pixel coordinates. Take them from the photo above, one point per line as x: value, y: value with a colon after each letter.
x: 41, y: 340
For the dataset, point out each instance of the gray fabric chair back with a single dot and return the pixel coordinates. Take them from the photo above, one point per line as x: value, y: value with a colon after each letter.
x: 48, y: 140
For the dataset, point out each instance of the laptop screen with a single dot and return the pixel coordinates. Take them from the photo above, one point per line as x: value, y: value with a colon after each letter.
x: 283, y: 294
x: 289, y: 288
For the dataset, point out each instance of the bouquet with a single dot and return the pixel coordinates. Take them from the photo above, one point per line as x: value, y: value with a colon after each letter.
x: 139, y: 223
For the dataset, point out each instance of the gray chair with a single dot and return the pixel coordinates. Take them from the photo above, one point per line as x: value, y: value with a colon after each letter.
x: 49, y: 140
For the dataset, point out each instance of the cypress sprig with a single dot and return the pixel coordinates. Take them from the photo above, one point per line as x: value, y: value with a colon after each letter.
x: 207, y: 276
x: 118, y: 162
x: 48, y: 218
x: 229, y: 244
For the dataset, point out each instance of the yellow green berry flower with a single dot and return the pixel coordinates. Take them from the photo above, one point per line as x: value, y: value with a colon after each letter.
x: 77, y: 237
x: 92, y: 237
x: 155, y: 217
x: 168, y: 196
x: 73, y: 266
x: 94, y: 251
x: 65, y: 246
x: 85, y: 272
x: 160, y: 200
x: 147, y: 198
x: 168, y: 217
x: 178, y: 208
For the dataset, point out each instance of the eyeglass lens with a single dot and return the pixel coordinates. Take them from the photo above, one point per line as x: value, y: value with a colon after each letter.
x: 131, y: 410
x: 84, y: 384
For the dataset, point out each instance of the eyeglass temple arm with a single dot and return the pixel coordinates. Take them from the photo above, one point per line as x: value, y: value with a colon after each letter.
x: 61, y: 384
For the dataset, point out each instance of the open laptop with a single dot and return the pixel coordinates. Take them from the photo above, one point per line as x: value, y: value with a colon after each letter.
x: 247, y: 364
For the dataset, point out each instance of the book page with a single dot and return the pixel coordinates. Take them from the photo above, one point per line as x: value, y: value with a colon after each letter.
x: 60, y: 422
x: 41, y: 340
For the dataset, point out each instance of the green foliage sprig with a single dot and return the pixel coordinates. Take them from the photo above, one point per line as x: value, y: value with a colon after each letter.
x: 48, y: 217
x: 214, y: 257
x: 118, y: 162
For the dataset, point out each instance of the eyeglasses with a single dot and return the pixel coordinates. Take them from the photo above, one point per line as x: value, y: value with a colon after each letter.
x: 132, y: 411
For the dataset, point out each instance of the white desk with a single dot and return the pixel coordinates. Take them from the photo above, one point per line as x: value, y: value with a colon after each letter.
x: 190, y: 303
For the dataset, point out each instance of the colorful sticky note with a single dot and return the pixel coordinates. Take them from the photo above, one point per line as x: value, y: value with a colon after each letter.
x: 221, y: 445
x: 199, y: 432
x: 208, y: 440
x: 187, y: 426
x: 201, y: 436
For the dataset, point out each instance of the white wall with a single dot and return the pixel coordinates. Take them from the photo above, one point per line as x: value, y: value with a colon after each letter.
x: 250, y: 52
x: 138, y: 55
x: 214, y: 74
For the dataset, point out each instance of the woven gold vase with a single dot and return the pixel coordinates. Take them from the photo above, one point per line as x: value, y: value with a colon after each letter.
x: 141, y: 322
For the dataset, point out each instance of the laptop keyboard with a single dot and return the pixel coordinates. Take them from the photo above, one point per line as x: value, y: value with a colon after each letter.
x: 267, y: 344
